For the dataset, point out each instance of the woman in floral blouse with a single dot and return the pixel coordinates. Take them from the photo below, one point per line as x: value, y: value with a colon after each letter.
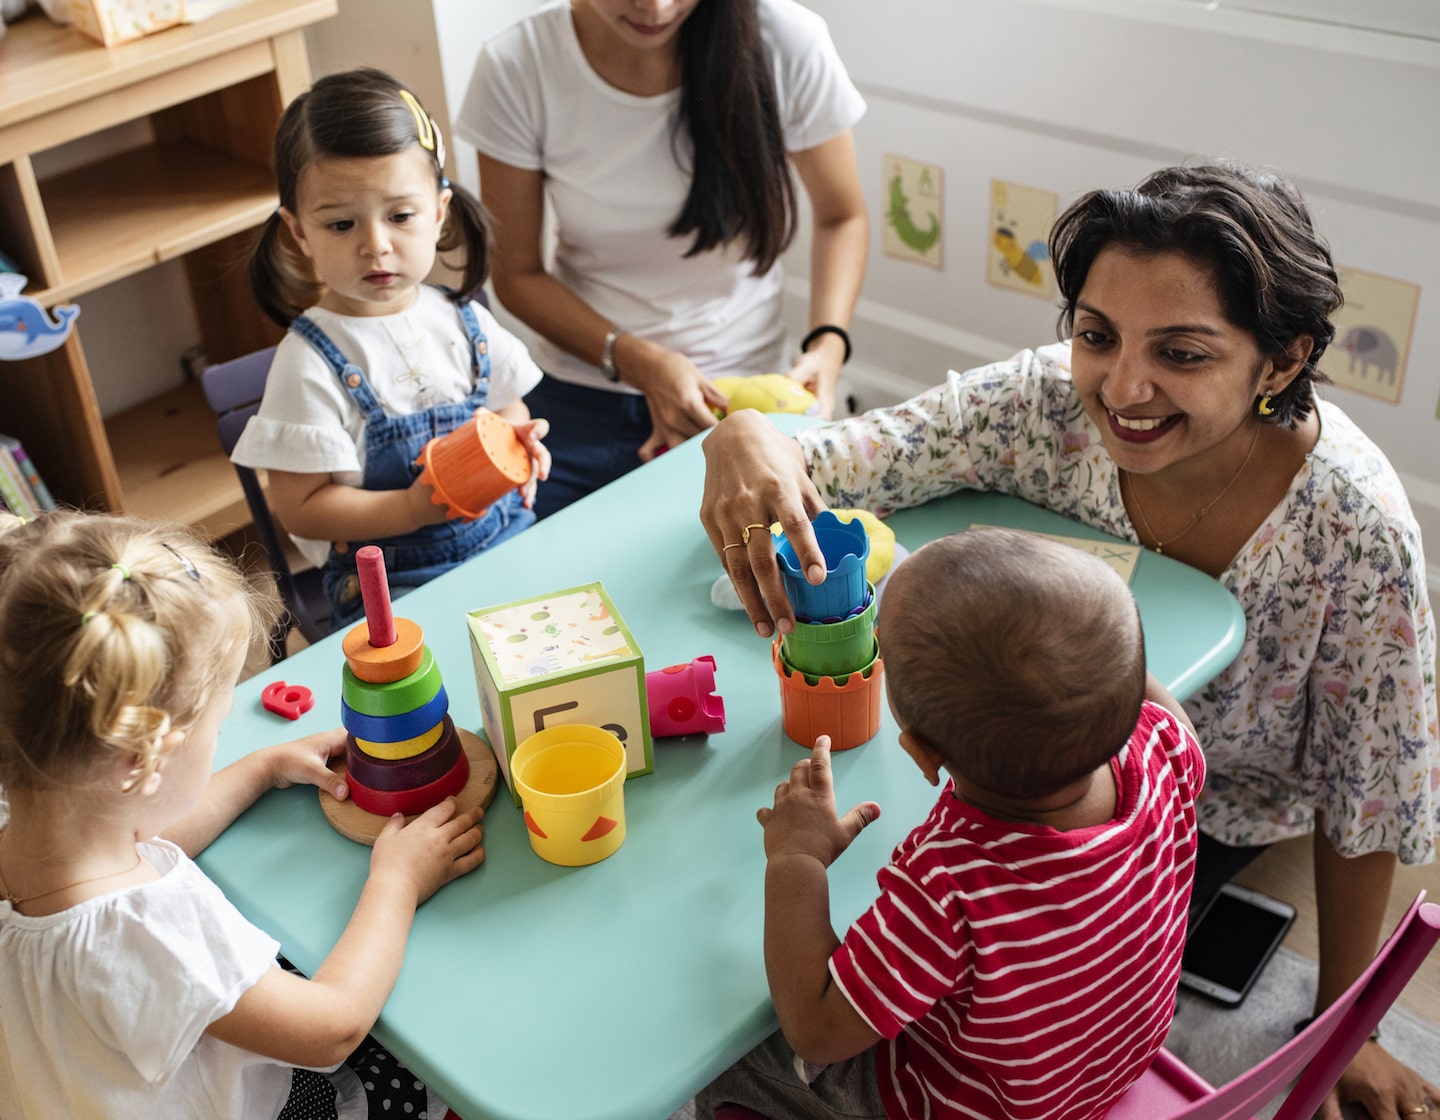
x: 1181, y: 415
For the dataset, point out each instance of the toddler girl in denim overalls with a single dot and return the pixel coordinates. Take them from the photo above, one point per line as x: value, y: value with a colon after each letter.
x: 376, y: 362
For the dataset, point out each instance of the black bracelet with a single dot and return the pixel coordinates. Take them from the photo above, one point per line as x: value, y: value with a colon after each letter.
x: 827, y: 328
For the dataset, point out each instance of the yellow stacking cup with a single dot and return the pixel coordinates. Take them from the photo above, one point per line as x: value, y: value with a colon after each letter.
x: 571, y: 780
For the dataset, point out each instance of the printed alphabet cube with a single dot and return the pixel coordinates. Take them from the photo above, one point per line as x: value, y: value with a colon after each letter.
x: 566, y: 657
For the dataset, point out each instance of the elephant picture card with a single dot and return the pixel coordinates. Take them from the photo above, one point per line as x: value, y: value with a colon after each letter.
x: 1372, y: 334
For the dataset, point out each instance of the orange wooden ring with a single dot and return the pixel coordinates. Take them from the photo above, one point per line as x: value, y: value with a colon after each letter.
x: 383, y: 664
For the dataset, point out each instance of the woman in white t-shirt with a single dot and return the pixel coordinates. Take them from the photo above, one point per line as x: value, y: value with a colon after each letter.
x: 662, y: 136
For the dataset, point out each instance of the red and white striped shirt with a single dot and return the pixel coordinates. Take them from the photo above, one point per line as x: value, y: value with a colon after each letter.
x: 1023, y: 972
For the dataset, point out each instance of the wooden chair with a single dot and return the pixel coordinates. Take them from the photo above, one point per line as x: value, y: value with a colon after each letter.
x: 1318, y: 1055
x: 233, y: 389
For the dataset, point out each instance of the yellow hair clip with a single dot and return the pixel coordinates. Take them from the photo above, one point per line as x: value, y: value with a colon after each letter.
x: 425, y: 133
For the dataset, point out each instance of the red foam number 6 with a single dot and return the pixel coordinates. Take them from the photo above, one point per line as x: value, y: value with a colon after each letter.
x: 289, y: 700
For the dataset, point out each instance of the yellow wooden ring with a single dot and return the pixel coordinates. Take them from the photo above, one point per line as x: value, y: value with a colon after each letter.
x: 405, y: 748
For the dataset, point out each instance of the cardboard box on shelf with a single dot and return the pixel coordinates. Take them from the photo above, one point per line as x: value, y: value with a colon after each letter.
x: 112, y: 22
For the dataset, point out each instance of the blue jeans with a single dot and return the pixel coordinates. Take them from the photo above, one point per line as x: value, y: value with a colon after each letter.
x: 595, y: 437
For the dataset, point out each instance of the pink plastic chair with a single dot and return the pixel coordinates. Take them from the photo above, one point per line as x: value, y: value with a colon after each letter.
x: 1170, y: 1090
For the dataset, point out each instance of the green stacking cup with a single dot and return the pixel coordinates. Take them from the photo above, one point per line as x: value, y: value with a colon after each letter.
x: 832, y: 649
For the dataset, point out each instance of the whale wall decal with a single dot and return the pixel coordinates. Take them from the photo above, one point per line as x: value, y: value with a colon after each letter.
x: 26, y: 330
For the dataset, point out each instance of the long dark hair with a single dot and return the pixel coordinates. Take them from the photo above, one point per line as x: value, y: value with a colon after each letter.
x: 740, y: 186
x: 355, y: 114
x: 1274, y: 273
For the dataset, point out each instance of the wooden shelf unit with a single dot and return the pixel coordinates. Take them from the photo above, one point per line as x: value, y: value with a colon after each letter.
x: 212, y: 93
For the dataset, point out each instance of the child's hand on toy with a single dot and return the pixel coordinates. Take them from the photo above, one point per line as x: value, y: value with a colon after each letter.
x: 531, y: 432
x: 435, y: 848
x: 305, y: 762
x: 803, y: 821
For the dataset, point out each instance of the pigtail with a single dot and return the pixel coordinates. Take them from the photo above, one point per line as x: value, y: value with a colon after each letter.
x: 466, y: 232
x: 282, y: 289
x: 118, y: 663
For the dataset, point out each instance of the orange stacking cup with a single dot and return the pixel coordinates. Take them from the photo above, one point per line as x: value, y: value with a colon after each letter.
x: 477, y: 463
x: 847, y: 709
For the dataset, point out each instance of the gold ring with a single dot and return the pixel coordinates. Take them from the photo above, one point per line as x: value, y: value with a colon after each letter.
x: 745, y: 534
x: 1417, y: 1110
x: 728, y: 547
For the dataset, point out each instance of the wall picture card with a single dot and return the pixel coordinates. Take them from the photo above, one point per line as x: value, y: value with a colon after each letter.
x: 914, y: 211
x: 1372, y: 334
x: 1017, y: 254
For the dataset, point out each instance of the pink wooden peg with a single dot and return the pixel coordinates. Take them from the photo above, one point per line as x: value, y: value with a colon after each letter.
x: 375, y: 592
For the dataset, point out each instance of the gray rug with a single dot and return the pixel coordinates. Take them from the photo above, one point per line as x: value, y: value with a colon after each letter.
x: 1221, y: 1043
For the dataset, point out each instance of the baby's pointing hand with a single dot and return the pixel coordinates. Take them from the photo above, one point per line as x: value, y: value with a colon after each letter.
x: 804, y: 821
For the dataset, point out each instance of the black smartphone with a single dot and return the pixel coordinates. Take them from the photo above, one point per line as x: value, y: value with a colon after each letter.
x: 1231, y: 943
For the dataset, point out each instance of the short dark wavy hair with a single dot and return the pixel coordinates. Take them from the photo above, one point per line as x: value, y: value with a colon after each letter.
x: 1275, y: 276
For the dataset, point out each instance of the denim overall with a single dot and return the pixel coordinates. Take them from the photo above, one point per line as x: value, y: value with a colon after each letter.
x: 392, y: 444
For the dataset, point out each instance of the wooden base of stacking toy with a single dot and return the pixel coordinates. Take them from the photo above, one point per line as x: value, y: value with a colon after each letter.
x: 354, y: 823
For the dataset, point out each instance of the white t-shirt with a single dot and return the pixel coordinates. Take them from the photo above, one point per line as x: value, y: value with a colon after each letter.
x: 103, y: 1007
x: 617, y: 182
x: 415, y: 359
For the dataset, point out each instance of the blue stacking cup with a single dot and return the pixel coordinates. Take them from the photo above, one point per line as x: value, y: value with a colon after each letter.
x: 846, y: 547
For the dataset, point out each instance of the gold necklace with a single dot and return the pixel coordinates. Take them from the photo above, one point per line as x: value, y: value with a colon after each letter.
x: 18, y: 902
x: 1160, y: 545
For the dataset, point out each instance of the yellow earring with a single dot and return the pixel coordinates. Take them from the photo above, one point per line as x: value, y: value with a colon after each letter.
x: 1263, y: 408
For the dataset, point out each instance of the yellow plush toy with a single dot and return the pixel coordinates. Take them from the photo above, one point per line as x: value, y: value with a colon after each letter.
x: 882, y: 542
x: 765, y: 392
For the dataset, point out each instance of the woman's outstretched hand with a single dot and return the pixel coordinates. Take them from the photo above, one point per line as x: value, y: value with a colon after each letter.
x: 755, y: 476
x: 681, y: 398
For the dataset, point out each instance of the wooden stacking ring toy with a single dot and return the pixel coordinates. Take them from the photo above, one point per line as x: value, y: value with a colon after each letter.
x: 404, y: 753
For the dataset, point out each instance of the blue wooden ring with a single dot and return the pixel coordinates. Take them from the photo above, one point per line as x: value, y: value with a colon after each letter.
x: 392, y: 729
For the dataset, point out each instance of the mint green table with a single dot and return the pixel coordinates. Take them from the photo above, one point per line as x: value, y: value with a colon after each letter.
x: 615, y: 991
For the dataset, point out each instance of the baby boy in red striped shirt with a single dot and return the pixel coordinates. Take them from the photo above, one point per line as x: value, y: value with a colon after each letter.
x: 1022, y: 957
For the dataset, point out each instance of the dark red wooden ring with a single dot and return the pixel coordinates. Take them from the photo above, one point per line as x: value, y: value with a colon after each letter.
x: 411, y: 801
x: 393, y: 775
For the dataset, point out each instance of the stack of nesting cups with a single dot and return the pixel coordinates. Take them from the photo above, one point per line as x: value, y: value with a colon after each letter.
x: 829, y: 665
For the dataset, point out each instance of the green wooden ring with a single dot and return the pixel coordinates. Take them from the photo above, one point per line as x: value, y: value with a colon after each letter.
x: 397, y: 697
x: 394, y: 729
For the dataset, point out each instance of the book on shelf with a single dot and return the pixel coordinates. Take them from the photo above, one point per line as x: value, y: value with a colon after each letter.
x: 21, y: 486
x: 13, y: 487
x: 41, y: 493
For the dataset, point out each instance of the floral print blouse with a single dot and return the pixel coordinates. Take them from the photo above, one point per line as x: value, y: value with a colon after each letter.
x: 1330, y: 703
